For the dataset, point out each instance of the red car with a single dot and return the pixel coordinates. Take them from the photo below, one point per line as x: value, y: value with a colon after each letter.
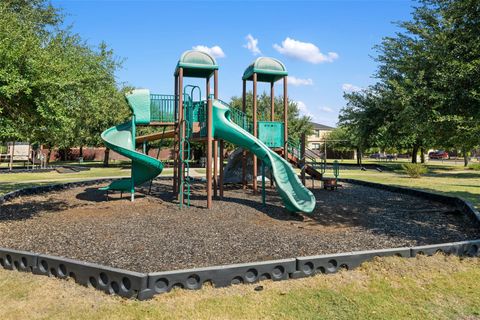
x: 438, y: 155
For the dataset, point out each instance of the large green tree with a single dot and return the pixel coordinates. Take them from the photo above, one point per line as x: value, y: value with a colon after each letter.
x: 54, y: 88
x: 428, y: 84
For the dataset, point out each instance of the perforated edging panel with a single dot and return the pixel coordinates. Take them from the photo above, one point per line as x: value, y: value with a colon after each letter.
x: 219, y: 276
x: 18, y: 260
x: 110, y: 280
x: 463, y: 248
x: 308, y: 266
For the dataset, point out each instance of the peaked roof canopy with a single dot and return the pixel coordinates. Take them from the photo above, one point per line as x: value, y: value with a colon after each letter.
x: 267, y: 70
x: 196, y: 64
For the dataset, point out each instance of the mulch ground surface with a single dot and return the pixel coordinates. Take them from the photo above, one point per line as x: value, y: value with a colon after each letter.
x: 153, y: 234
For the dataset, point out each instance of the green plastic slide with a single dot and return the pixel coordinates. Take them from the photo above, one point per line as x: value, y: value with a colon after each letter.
x: 295, y: 195
x: 120, y: 139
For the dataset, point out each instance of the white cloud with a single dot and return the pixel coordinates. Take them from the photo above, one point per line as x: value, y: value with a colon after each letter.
x: 326, y: 109
x: 302, y: 107
x: 305, y: 51
x: 214, y: 51
x: 348, y: 87
x: 252, y: 45
x: 294, y: 81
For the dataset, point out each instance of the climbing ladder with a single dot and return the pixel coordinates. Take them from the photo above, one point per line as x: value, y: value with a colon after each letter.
x: 192, y: 108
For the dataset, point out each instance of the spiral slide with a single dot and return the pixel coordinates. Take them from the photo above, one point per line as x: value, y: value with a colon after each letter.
x: 294, y: 194
x: 119, y: 139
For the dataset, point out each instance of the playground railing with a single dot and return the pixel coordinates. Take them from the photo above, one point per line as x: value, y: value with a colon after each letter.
x: 294, y: 148
x: 241, y: 119
x: 163, y: 107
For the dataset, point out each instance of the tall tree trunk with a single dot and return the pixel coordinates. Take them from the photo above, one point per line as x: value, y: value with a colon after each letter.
x: 422, y: 155
x: 465, y: 157
x: 414, y: 154
x: 81, y: 152
x: 359, y: 157
x: 49, y: 153
x: 106, y: 157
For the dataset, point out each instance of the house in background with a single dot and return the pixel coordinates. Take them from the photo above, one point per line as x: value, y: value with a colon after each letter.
x: 318, y: 143
x: 315, y: 141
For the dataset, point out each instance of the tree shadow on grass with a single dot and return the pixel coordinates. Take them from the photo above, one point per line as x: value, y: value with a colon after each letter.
x: 459, y: 175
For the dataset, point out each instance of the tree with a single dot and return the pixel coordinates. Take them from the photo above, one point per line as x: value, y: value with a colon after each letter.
x: 54, y: 88
x: 460, y: 133
x: 361, y: 120
x: 427, y: 81
x: 407, y: 69
x: 341, y: 139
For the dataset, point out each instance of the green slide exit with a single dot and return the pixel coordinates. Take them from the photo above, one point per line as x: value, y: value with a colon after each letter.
x: 144, y: 167
x: 294, y: 194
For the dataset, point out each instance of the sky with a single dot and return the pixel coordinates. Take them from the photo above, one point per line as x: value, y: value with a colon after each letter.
x: 327, y: 46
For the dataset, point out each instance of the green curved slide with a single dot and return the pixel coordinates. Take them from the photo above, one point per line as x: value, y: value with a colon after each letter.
x: 294, y: 194
x: 121, y: 140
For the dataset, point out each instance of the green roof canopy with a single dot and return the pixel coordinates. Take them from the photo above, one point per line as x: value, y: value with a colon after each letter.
x: 267, y: 70
x: 196, y: 64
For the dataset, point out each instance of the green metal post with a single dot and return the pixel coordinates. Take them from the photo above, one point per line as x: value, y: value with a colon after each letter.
x: 336, y: 170
x: 132, y: 188
x: 263, y: 182
x: 144, y: 147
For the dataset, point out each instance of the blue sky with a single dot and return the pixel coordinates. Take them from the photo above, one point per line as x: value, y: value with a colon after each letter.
x: 325, y: 45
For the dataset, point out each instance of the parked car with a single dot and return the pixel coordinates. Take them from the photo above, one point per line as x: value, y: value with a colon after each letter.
x: 403, y: 155
x: 439, y: 154
x: 375, y: 156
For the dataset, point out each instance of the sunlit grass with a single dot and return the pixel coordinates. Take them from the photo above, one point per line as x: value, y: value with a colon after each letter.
x: 438, y: 287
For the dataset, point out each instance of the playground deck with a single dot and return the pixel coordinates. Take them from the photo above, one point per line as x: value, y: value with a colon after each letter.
x: 152, y: 234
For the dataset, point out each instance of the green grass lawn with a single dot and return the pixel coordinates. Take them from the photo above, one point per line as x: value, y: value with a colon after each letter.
x: 438, y: 287
x: 10, y: 182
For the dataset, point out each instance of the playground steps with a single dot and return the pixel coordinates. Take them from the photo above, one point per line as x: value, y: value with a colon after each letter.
x: 309, y: 169
x: 155, y: 136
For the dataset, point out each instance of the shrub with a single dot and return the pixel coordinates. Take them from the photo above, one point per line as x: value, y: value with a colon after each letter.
x: 414, y: 170
x: 474, y: 166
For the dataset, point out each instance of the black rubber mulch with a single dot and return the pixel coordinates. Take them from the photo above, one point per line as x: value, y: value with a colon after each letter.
x: 153, y: 234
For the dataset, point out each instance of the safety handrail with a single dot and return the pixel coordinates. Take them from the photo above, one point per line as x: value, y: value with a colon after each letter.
x: 163, y: 107
x: 294, y: 148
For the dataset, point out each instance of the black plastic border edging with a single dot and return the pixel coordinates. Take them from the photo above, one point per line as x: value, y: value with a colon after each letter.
x: 219, y: 276
x: 144, y: 286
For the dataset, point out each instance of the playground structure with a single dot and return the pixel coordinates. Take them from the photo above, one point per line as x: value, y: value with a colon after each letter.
x: 211, y: 249
x: 211, y: 121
